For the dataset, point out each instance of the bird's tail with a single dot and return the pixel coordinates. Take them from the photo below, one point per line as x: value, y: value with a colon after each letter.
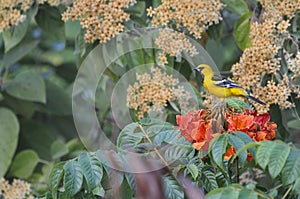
x: 255, y: 99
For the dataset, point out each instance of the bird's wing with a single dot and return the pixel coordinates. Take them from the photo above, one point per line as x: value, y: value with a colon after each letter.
x: 225, y: 83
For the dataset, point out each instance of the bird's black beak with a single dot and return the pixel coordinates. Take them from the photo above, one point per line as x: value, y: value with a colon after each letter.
x: 197, y: 69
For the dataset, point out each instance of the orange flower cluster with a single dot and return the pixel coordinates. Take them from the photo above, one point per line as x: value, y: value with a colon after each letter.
x: 196, y: 127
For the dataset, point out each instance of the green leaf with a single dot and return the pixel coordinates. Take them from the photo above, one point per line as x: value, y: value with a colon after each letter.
x: 241, y: 31
x: 168, y: 136
x: 209, y: 180
x: 12, y: 38
x: 49, y: 19
x: 73, y: 178
x: 296, y: 187
x: 21, y: 107
x: 58, y: 100
x: 294, y: 124
x: 246, y: 139
x: 176, y: 152
x: 38, y: 137
x: 172, y: 189
x: 245, y: 193
x: 29, y: 86
x: 236, y: 103
x: 291, y: 169
x: 238, y: 6
x: 9, y: 132
x: 263, y: 153
x: 24, y: 164
x: 58, y: 149
x: 19, y: 51
x: 278, y: 158
x: 238, y: 144
x: 55, y: 178
x: 91, y: 168
x: 218, y: 150
x: 223, y: 193
x: 193, y: 169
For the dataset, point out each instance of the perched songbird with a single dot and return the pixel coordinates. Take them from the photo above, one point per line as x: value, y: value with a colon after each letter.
x: 221, y: 87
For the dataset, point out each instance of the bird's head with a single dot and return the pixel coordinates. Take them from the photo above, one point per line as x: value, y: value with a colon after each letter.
x: 203, y: 68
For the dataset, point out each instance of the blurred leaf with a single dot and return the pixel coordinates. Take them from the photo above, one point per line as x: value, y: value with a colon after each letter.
x: 72, y: 29
x: 24, y: 164
x: 29, y: 86
x: 294, y: 124
x: 13, y: 36
x: 176, y: 152
x: 9, y: 131
x: 18, y: 52
x: 55, y: 178
x: 172, y: 189
x: 58, y: 149
x: 36, y: 136
x: 73, y: 178
x: 238, y: 6
x: 168, y: 136
x: 22, y: 107
x: 238, y: 144
x: 241, y: 31
x: 91, y: 168
x: 291, y: 169
x: 58, y: 100
x: 296, y: 187
x: 137, y: 9
x: 49, y: 19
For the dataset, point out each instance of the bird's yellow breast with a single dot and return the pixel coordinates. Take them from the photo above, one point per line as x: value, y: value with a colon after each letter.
x: 223, y: 92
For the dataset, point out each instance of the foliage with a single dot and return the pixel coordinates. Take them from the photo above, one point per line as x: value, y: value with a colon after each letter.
x: 40, y: 59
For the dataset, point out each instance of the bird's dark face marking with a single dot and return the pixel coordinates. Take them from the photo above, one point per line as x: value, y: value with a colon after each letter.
x: 199, y: 69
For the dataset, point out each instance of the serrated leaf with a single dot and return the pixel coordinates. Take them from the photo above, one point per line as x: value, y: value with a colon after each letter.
x: 236, y: 103
x: 218, y: 150
x: 241, y: 31
x: 278, y: 158
x: 55, y: 178
x: 172, y: 189
x: 29, y: 86
x: 238, y: 144
x: 24, y: 164
x: 291, y: 169
x: 9, y: 133
x: 73, y: 178
x: 193, y: 169
x: 263, y: 153
x: 91, y: 168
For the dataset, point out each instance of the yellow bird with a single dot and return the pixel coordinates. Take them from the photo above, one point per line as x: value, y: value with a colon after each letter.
x: 222, y: 87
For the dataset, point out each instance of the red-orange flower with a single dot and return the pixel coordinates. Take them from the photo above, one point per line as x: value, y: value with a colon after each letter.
x: 195, y: 129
